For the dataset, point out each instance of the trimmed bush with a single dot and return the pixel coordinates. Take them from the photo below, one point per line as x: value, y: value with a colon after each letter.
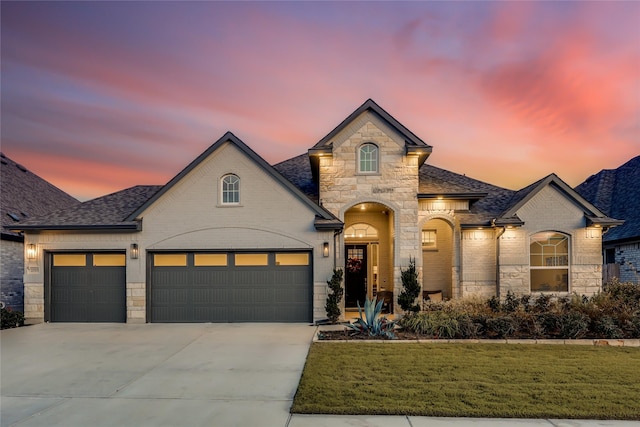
x: 11, y: 319
x: 613, y: 313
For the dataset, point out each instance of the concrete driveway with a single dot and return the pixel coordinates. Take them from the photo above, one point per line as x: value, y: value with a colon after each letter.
x: 151, y: 375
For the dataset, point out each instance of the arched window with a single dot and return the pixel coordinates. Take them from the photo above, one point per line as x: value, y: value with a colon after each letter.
x: 360, y: 231
x: 549, y: 262
x: 368, y: 158
x: 230, y: 189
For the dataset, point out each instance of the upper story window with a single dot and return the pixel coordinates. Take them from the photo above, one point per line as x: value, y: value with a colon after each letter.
x: 368, y: 158
x: 230, y: 190
x: 549, y: 262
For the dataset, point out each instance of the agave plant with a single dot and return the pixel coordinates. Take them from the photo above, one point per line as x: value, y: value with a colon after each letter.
x: 371, y: 322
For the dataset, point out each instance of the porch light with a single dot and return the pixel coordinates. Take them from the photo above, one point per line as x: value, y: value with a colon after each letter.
x: 32, y: 251
x: 134, y: 252
x: 325, y: 249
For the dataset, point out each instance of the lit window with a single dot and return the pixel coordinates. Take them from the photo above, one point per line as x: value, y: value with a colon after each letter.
x: 368, y: 158
x: 549, y: 262
x: 360, y: 231
x: 230, y: 190
x: 428, y: 239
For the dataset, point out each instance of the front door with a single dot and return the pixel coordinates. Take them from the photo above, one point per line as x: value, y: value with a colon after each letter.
x: 355, y: 275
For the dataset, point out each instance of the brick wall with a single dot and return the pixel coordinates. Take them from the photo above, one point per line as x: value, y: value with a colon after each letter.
x: 628, y: 256
x: 11, y: 274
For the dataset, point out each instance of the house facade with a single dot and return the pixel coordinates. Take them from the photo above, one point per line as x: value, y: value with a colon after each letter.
x: 234, y: 239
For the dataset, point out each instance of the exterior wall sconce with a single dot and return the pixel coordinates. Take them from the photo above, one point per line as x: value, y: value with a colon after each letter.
x: 32, y: 251
x: 325, y: 249
x: 134, y: 252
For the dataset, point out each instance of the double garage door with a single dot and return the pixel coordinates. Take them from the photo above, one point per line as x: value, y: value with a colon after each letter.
x: 230, y: 287
x: 268, y: 286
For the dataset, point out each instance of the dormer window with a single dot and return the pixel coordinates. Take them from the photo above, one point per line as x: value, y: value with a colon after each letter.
x: 368, y: 158
x: 230, y: 189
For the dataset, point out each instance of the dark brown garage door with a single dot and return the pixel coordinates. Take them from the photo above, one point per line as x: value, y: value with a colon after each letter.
x: 87, y: 287
x: 230, y: 287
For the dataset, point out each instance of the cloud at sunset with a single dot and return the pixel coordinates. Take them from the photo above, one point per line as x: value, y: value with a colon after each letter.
x: 116, y: 94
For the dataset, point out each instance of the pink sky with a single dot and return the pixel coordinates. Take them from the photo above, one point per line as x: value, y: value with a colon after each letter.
x: 100, y: 96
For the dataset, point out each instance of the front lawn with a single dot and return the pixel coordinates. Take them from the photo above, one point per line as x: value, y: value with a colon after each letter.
x: 471, y: 380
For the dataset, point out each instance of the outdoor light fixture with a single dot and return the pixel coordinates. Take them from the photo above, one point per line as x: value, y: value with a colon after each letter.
x: 325, y: 249
x: 134, y: 251
x: 32, y: 251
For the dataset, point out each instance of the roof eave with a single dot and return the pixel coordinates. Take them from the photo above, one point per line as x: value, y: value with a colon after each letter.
x: 93, y: 227
x: 452, y: 196
x: 603, y: 221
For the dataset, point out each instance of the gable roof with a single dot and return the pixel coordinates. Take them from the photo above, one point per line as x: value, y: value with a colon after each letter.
x: 25, y: 195
x: 617, y: 193
x: 520, y: 198
x: 413, y: 144
x: 328, y: 219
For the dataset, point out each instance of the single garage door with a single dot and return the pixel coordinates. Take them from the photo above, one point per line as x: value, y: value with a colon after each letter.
x: 87, y: 287
x: 231, y: 287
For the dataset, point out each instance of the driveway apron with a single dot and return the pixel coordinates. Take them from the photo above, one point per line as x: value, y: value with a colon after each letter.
x: 151, y: 375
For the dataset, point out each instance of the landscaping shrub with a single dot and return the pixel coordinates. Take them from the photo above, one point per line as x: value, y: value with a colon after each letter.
x: 11, y: 319
x: 613, y: 313
x: 332, y: 306
x: 410, y: 288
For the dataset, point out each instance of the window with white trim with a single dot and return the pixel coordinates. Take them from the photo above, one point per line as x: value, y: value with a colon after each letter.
x: 230, y: 190
x: 549, y: 262
x: 429, y: 239
x: 368, y: 158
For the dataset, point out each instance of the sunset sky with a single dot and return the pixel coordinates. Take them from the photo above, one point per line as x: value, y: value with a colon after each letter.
x: 99, y: 96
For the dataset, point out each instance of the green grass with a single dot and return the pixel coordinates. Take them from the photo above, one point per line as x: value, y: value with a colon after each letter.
x: 471, y: 380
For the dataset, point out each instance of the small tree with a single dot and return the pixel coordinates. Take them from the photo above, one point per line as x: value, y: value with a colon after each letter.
x: 335, y: 296
x: 411, y: 288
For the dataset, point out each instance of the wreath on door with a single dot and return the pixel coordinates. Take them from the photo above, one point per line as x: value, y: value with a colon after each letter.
x: 354, y: 265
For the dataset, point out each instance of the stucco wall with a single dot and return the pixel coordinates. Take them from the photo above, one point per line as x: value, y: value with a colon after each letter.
x: 11, y: 272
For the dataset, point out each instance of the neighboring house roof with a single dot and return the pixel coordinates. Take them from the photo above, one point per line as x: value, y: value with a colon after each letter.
x: 25, y: 195
x: 107, y: 212
x: 617, y: 193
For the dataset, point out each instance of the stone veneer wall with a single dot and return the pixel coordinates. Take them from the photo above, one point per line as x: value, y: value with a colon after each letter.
x: 551, y: 211
x: 11, y: 274
x: 395, y: 186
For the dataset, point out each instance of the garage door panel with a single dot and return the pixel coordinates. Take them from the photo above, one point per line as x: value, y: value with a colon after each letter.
x: 234, y: 293
x: 86, y: 293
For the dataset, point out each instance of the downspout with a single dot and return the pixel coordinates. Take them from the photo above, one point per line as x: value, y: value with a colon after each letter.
x: 497, y: 252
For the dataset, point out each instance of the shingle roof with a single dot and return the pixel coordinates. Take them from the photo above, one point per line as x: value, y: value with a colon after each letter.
x: 110, y: 211
x: 298, y: 171
x: 616, y: 192
x: 25, y: 195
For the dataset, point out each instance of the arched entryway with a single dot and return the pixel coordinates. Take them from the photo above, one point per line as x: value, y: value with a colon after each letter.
x: 437, y: 257
x: 368, y: 254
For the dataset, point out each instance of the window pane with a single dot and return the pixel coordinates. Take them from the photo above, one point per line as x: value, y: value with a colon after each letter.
x: 215, y: 260
x: 428, y: 238
x: 550, y: 280
x: 292, y: 259
x: 230, y: 189
x: 170, y: 260
x: 252, y: 259
x: 109, y: 260
x: 69, y: 260
x: 368, y: 158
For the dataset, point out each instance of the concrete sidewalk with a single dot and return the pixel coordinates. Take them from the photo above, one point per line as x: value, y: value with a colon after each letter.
x: 117, y: 375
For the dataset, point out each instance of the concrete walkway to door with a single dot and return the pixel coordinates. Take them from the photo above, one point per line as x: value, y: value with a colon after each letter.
x: 151, y: 375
